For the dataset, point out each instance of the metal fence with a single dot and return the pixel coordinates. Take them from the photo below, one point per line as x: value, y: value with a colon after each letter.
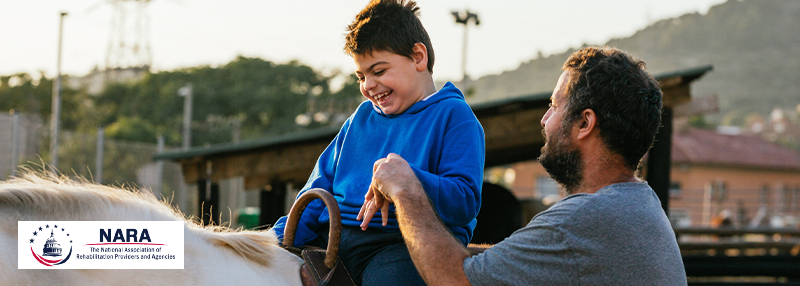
x: 24, y: 143
x: 774, y: 205
x: 20, y: 141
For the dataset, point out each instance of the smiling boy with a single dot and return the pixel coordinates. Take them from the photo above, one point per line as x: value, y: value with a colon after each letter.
x: 393, y: 82
x: 435, y: 131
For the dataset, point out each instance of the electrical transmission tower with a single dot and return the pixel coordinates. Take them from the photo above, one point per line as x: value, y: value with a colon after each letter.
x: 129, y: 41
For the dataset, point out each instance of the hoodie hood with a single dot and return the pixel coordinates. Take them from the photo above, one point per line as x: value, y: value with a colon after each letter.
x: 447, y: 91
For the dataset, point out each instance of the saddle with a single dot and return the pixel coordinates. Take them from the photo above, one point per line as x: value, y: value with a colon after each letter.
x: 322, y: 266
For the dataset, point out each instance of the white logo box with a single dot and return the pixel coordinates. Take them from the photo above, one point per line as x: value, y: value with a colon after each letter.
x: 100, y: 245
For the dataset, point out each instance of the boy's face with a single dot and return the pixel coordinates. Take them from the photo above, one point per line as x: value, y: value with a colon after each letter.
x: 389, y: 80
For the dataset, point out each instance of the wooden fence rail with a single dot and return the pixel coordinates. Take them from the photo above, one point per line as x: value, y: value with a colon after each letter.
x: 766, y: 256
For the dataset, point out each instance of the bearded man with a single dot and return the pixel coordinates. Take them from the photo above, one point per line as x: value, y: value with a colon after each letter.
x: 609, y: 230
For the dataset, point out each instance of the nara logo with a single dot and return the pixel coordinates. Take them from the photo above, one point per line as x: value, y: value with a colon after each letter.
x: 49, y: 245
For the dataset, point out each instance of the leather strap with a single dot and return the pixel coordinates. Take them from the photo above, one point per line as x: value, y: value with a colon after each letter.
x: 334, y: 233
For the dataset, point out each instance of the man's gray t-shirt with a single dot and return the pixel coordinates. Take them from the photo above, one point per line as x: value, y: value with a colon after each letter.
x: 616, y: 236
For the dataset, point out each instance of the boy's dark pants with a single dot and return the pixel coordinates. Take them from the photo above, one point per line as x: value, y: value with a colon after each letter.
x: 374, y: 257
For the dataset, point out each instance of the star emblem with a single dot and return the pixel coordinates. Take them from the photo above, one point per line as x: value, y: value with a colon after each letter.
x: 47, y: 226
x: 55, y: 226
x: 40, y: 228
x: 32, y: 240
x: 67, y: 234
x: 34, y: 233
x: 62, y: 229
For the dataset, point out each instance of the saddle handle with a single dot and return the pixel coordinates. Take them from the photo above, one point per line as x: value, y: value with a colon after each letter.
x: 335, y: 229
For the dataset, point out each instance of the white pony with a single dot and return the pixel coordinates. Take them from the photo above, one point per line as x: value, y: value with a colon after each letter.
x: 213, y: 255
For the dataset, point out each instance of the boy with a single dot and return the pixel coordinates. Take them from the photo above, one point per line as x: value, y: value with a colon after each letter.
x: 435, y: 131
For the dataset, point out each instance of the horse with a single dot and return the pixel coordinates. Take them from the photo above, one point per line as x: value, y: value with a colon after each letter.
x: 213, y: 255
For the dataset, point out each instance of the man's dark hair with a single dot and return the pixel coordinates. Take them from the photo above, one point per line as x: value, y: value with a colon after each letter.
x: 388, y: 25
x: 625, y: 97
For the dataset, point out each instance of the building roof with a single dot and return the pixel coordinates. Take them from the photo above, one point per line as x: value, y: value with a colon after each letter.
x: 686, y: 75
x: 697, y: 146
x: 325, y: 134
x: 481, y: 110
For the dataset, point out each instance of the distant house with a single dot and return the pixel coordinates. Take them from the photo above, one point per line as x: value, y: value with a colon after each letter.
x: 756, y: 181
x: 749, y: 179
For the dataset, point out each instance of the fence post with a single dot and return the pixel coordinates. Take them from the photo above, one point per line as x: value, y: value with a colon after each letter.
x: 98, y: 164
x: 15, y: 144
x: 159, y: 169
x: 707, y: 203
x: 180, y: 196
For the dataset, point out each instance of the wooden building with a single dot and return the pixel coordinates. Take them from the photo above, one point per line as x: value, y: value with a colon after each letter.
x: 752, y: 181
x: 277, y: 166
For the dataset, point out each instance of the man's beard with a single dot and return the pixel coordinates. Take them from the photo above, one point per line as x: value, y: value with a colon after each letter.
x: 562, y: 162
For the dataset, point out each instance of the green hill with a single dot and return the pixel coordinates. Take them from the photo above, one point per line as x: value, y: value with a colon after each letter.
x: 754, y: 46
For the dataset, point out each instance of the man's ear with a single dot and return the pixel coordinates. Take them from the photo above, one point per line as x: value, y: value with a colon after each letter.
x: 587, y: 123
x: 419, y: 54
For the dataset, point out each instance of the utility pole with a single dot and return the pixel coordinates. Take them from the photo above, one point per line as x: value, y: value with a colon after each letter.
x: 98, y: 159
x: 55, y: 117
x: 15, y: 143
x: 159, y: 169
x: 186, y: 92
x: 464, y: 18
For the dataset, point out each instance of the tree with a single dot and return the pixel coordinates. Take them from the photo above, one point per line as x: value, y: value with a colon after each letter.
x: 259, y: 97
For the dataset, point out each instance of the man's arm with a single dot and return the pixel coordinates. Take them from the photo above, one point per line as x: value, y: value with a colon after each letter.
x: 438, y: 256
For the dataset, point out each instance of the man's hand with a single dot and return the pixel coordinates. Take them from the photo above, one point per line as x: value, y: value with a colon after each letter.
x: 390, y: 176
x: 437, y: 255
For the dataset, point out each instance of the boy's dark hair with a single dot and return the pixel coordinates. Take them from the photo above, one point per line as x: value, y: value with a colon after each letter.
x: 388, y: 25
x: 625, y: 97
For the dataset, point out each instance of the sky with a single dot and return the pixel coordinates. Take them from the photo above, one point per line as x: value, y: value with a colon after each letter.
x: 188, y: 33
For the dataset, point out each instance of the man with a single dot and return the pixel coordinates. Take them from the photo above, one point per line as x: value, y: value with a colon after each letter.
x: 609, y: 230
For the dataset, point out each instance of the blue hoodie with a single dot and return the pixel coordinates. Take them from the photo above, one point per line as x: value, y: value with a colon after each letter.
x: 440, y: 138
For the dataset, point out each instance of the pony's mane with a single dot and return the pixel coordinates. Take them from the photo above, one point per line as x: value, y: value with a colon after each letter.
x: 46, y: 196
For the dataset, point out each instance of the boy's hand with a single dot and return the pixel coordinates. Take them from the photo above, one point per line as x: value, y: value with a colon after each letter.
x: 390, y: 176
x: 372, y: 202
